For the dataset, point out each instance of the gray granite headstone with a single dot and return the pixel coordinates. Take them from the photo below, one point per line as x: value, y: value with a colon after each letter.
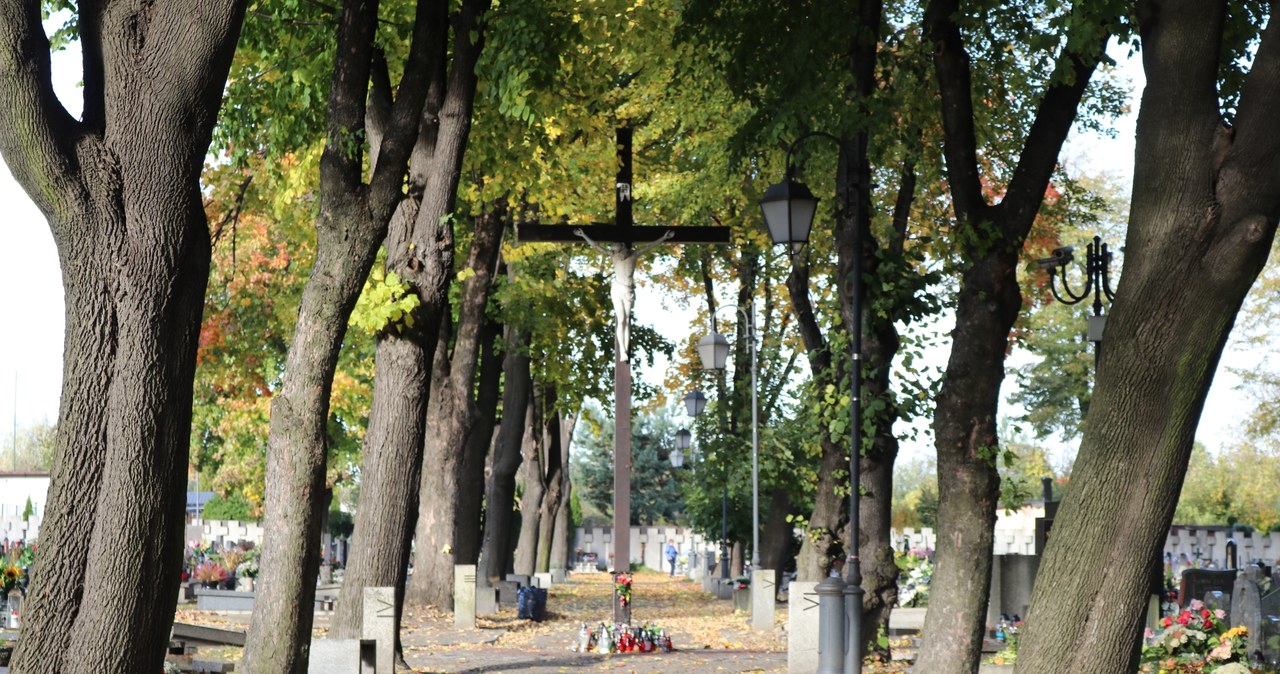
x: 507, y: 592
x: 379, y: 624
x: 464, y: 595
x: 342, y: 656
x: 802, y: 628
x: 486, y: 600
x: 519, y: 578
x: 763, y: 596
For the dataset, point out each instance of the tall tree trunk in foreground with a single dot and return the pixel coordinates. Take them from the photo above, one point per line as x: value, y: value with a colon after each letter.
x: 479, y: 440
x: 120, y: 190
x: 988, y: 303
x: 351, y: 222
x: 1202, y: 221
x: 776, y: 539
x: 501, y: 489
x: 562, y: 539
x: 449, y: 420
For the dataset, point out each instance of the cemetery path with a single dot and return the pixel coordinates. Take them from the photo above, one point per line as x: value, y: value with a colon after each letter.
x: 707, y: 634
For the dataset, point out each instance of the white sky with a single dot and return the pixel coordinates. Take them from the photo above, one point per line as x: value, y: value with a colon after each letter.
x: 32, y: 307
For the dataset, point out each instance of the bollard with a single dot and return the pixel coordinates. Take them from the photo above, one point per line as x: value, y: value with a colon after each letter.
x: 831, y: 625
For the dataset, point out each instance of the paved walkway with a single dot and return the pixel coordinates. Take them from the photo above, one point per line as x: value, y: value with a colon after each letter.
x: 708, y: 636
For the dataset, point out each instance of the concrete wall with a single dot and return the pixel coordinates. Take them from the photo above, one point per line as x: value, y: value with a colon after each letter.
x: 647, y: 545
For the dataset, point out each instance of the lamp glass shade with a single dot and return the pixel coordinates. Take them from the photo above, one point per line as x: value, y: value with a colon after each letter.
x: 695, y: 402
x: 677, y: 458
x: 788, y: 210
x: 713, y: 349
x: 683, y: 438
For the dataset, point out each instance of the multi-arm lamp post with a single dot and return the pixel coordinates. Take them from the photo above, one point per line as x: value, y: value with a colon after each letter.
x: 1097, y: 268
x: 713, y: 350
x: 788, y: 209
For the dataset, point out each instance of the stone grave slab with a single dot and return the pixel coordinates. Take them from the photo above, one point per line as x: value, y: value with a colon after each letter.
x: 507, y: 590
x: 464, y: 596
x: 542, y: 580
x: 342, y: 656
x: 1196, y: 583
x: 524, y: 580
x: 763, y: 597
x: 379, y: 625
x: 802, y: 628
x: 486, y: 601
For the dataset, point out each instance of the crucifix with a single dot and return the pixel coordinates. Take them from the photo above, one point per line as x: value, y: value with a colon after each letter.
x: 621, y: 237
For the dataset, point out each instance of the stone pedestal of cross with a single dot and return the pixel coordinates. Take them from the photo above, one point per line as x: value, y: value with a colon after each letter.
x: 621, y: 238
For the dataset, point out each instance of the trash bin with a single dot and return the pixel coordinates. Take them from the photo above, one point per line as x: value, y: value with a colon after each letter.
x: 531, y: 604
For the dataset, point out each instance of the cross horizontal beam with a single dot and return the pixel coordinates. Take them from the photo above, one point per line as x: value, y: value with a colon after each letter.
x: 621, y: 234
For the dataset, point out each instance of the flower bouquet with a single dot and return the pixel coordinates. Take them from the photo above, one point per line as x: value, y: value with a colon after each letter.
x: 1195, y: 640
x: 622, y: 589
x: 210, y: 573
x: 10, y: 574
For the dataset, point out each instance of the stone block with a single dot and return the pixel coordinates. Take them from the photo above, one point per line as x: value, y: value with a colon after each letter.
x: 343, y: 656
x: 464, y: 596
x: 507, y: 590
x: 802, y: 628
x: 542, y: 580
x: 520, y: 578
x: 486, y: 601
x: 763, y: 597
x: 379, y: 625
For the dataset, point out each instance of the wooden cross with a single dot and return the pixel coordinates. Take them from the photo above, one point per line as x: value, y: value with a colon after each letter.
x: 622, y: 235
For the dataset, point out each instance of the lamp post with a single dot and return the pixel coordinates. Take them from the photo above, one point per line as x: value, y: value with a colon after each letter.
x: 713, y: 350
x: 1097, y: 267
x: 788, y: 208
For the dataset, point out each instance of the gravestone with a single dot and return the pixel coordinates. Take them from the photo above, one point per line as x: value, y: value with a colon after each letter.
x: 486, y: 600
x: 1196, y: 583
x: 379, y: 624
x: 342, y: 656
x: 464, y: 595
x: 802, y: 628
x: 520, y: 578
x: 1259, y: 613
x: 764, y: 592
x: 507, y: 592
x: 542, y: 580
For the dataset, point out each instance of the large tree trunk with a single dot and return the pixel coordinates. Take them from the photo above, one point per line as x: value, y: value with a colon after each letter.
x: 554, y: 480
x: 449, y: 419
x: 821, y: 545
x: 988, y: 303
x: 501, y: 489
x: 351, y: 222
x: 562, y: 540
x: 534, y: 487
x: 479, y: 440
x: 1201, y: 225
x: 777, y: 540
x: 120, y: 190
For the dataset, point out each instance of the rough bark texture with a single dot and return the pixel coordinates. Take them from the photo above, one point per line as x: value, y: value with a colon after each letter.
x: 479, y: 440
x: 554, y: 490
x: 776, y: 540
x: 988, y: 303
x: 1202, y: 221
x: 562, y: 538
x: 531, y: 500
x: 120, y: 191
x: 450, y: 416
x: 501, y: 489
x: 352, y: 220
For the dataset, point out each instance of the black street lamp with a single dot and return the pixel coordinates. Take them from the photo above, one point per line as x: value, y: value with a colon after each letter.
x: 695, y: 402
x: 1097, y: 269
x: 788, y: 209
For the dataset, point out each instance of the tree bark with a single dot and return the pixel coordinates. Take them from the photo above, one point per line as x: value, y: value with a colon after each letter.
x: 479, y: 440
x: 777, y: 540
x: 120, y: 191
x: 554, y: 480
x: 562, y: 540
x: 986, y: 306
x: 450, y: 416
x: 501, y: 489
x: 1201, y: 225
x: 352, y: 220
x: 534, y: 487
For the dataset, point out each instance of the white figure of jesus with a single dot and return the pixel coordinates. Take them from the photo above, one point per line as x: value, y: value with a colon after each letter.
x: 623, y: 291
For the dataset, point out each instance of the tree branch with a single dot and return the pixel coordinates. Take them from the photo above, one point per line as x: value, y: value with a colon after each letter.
x: 37, y: 132
x: 955, y: 82
x: 1252, y: 156
x: 340, y: 164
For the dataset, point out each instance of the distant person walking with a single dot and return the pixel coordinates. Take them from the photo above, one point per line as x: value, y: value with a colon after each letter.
x: 671, y: 557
